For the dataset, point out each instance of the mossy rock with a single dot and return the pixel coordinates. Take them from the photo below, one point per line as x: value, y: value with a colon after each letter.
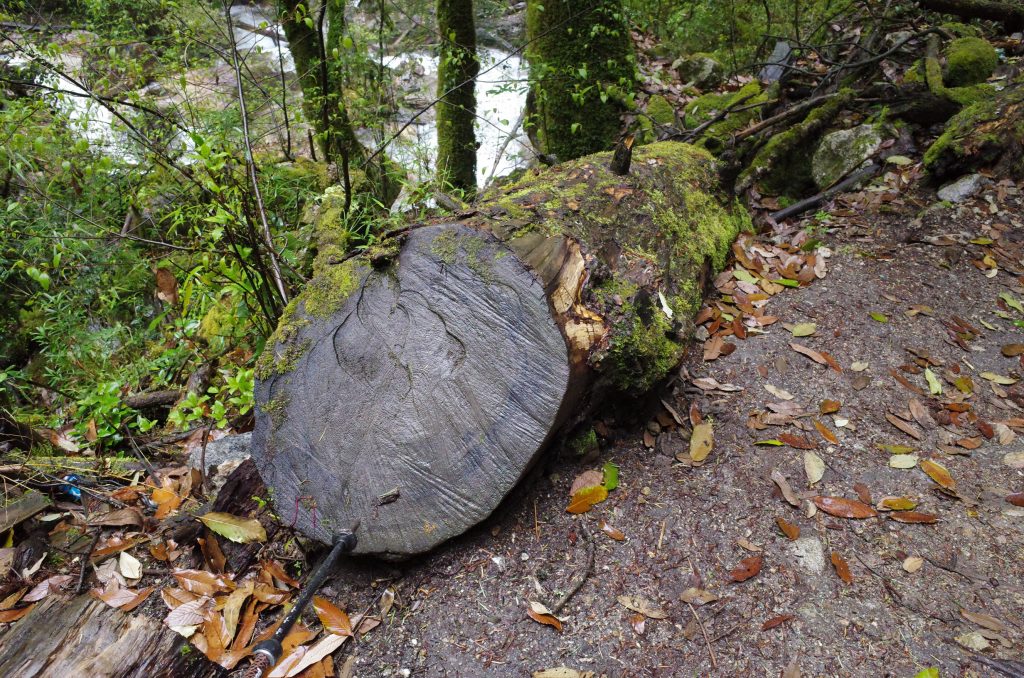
x: 969, y: 61
x: 661, y: 111
x: 840, y: 152
x: 702, y: 70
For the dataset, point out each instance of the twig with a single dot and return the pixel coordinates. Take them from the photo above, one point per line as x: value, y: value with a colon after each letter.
x: 1013, y: 669
x: 704, y: 631
x: 250, y: 163
x: 788, y: 113
x: 504, y: 146
x: 584, y: 572
x: 694, y: 133
x: 826, y: 195
x: 87, y: 559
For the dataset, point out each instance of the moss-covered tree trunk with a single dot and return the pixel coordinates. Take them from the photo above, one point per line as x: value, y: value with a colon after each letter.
x: 322, y: 96
x: 581, y: 71
x: 412, y: 386
x: 456, y: 110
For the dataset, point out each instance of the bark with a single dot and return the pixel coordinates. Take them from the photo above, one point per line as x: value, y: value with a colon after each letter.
x: 456, y: 110
x: 1010, y: 14
x: 411, y: 387
x: 581, y: 67
x: 321, y: 85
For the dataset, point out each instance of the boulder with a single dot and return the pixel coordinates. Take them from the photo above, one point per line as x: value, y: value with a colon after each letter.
x: 969, y: 61
x: 963, y: 188
x: 700, y: 70
x: 839, y: 153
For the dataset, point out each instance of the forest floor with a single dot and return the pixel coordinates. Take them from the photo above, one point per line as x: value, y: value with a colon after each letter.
x: 917, y: 594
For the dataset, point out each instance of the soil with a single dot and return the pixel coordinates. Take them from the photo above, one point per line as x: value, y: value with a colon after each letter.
x: 462, y: 611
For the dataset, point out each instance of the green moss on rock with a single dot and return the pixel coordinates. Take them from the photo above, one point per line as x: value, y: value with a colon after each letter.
x: 969, y: 61
x: 661, y: 111
x: 705, y: 107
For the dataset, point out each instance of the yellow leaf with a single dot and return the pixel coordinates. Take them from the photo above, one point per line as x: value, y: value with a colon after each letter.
x: 701, y: 442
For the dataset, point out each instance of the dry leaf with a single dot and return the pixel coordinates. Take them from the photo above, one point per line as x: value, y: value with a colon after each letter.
x: 906, y: 427
x: 695, y: 596
x: 896, y: 504
x: 844, y: 508
x: 798, y: 442
x: 778, y: 392
x: 585, y: 499
x: 784, y: 487
x: 541, y: 614
x: 702, y: 440
x: 201, y: 582
x: 129, y: 566
x: 747, y: 568
x: 234, y: 528
x: 829, y: 406
x: 913, y: 563
x: 643, y: 606
x: 842, y: 568
x: 986, y: 620
x: 913, y: 517
x: 814, y: 467
x: 332, y: 617
x: 789, y: 529
x: 776, y: 621
x: 825, y: 433
x: 938, y: 473
x: 8, y: 616
x: 589, y: 478
x: 612, y: 532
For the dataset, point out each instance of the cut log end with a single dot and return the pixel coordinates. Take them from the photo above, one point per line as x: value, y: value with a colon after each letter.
x: 418, y: 406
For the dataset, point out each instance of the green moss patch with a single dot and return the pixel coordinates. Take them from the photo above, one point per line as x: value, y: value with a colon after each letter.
x: 969, y: 61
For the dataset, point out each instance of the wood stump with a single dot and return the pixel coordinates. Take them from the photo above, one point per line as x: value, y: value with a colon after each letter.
x: 412, y: 387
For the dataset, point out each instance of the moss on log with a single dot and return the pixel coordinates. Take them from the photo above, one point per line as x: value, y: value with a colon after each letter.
x: 444, y: 366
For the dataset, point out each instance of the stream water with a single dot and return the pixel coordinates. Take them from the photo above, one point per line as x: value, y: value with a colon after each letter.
x: 500, y: 92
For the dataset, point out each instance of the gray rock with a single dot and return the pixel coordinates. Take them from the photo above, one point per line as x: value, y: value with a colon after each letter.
x: 810, y: 554
x: 777, y: 62
x: 841, y: 152
x: 223, y: 454
x: 702, y: 70
x: 963, y: 188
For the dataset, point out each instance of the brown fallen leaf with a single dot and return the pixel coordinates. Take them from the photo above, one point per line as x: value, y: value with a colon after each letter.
x: 747, y: 568
x: 8, y: 616
x: 913, y: 517
x: 789, y: 529
x: 612, y: 532
x: 1013, y: 350
x: 776, y: 621
x: 844, y: 508
x: 542, y: 615
x: 826, y: 433
x: 643, y: 606
x: 798, y: 442
x: 333, y: 618
x: 829, y: 406
x: 969, y: 443
x: 904, y: 426
x: 938, y: 473
x: 1017, y: 498
x: 986, y: 620
x: 696, y: 596
x: 842, y: 568
x: 808, y: 352
x: 784, y: 487
x: 863, y: 493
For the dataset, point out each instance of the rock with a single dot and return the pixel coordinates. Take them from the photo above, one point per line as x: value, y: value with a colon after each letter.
x: 701, y: 70
x: 223, y: 454
x: 777, y: 62
x: 963, y: 188
x: 810, y: 554
x: 969, y: 61
x: 839, y: 153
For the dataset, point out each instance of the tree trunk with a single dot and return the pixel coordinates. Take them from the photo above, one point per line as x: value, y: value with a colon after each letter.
x: 321, y: 85
x: 413, y: 386
x: 1010, y: 14
x: 87, y: 637
x: 581, y: 68
x: 456, y: 111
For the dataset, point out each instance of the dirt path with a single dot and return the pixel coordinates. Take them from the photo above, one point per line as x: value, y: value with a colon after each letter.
x: 462, y: 610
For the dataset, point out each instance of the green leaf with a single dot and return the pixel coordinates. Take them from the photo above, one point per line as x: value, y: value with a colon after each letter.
x: 933, y: 383
x: 772, y: 442
x: 804, y: 329
x: 880, y: 317
x: 241, y: 530
x: 786, y: 282
x: 928, y: 673
x: 1011, y: 301
x: 744, y: 275
x: 899, y: 160
x: 611, y: 476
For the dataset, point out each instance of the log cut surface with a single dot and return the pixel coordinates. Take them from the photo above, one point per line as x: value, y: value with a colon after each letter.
x: 419, y: 404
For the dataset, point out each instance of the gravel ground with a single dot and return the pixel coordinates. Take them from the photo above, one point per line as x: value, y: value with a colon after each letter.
x: 462, y: 611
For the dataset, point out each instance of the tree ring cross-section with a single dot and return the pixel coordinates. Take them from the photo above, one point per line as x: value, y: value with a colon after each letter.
x: 420, y: 403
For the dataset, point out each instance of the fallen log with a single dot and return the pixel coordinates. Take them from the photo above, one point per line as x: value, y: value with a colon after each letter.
x: 411, y: 387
